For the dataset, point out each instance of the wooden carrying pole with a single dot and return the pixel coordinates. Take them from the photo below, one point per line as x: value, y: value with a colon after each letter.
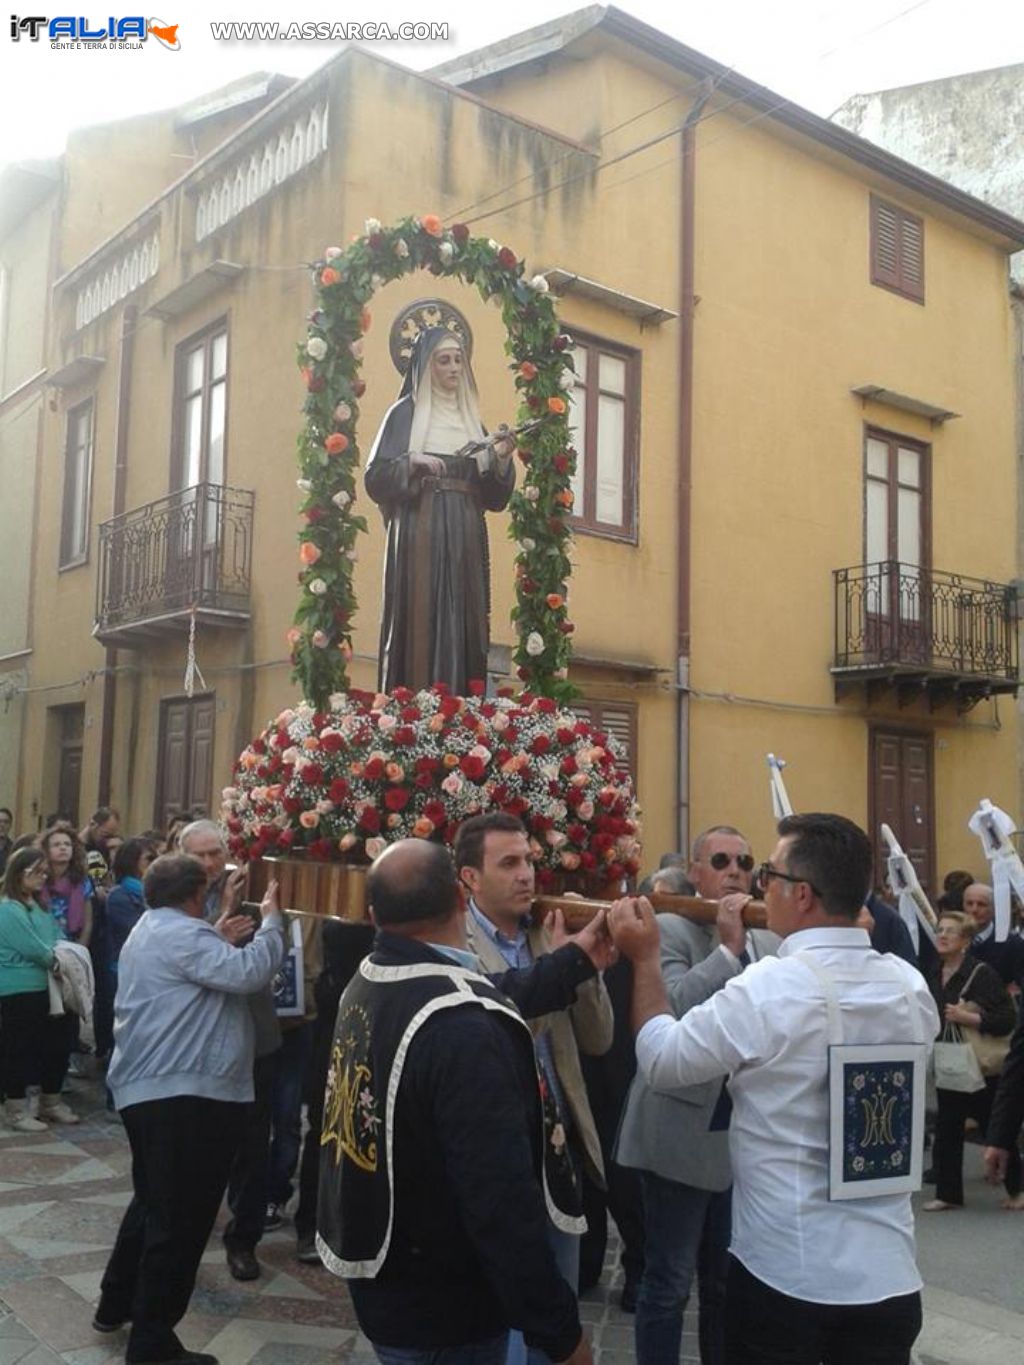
x: 579, y: 912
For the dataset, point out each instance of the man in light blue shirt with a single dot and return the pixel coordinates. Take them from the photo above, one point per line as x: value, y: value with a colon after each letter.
x: 181, y: 1077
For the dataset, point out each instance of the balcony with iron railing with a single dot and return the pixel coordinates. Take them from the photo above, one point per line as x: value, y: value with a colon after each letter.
x: 188, y: 553
x: 924, y: 631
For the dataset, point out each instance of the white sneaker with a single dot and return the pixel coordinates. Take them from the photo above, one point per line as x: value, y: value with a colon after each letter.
x: 52, y: 1107
x: 20, y: 1120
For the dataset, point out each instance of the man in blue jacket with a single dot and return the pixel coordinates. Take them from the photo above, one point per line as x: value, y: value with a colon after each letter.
x: 181, y: 1077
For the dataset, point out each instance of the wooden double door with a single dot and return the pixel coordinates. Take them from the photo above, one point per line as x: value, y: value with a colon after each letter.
x: 185, y: 764
x: 902, y: 795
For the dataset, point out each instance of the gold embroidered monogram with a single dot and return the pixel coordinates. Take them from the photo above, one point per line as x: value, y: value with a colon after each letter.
x: 351, y: 1121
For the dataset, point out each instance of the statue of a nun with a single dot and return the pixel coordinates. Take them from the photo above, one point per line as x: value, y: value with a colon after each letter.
x: 433, y: 494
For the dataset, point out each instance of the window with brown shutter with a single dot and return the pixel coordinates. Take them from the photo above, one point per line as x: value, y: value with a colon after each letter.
x: 617, y: 719
x: 604, y: 422
x: 897, y: 250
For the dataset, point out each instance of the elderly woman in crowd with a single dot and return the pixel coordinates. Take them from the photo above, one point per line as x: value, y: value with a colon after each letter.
x: 34, y: 1045
x: 970, y: 993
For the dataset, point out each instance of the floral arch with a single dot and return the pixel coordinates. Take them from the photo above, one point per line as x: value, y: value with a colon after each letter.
x: 330, y: 359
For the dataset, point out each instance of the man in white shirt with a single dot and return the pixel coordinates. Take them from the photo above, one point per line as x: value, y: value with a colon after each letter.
x: 813, y: 1278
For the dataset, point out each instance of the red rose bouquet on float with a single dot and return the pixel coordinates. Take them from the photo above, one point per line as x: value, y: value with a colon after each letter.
x: 342, y: 783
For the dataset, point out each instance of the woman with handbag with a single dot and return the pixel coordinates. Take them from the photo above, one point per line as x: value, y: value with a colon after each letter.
x: 978, y: 1013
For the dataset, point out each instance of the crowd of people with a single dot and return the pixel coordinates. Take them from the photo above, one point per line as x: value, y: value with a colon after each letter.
x: 455, y: 1098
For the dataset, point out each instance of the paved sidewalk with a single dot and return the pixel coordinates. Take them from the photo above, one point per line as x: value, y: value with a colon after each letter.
x: 62, y: 1194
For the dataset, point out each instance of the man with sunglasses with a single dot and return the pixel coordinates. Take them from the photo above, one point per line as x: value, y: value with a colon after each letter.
x: 825, y: 1047
x: 680, y: 1142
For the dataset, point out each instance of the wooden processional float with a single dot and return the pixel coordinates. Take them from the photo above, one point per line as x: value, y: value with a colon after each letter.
x: 338, y: 891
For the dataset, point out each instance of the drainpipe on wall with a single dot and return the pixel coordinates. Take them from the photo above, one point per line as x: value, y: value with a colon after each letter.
x: 687, y: 271
x: 124, y: 385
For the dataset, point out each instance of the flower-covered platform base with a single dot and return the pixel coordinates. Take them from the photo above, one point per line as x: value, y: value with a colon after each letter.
x: 342, y: 783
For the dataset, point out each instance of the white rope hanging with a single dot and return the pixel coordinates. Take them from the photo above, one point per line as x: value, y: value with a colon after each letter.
x: 192, y: 669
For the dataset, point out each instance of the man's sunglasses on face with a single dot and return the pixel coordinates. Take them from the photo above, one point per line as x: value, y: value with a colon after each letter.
x: 744, y: 861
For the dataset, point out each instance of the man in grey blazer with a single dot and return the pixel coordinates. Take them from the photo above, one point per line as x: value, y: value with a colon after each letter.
x: 679, y: 1142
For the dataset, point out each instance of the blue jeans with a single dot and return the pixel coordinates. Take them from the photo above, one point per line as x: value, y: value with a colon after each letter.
x: 491, y: 1352
x: 286, y: 1110
x: 687, y: 1230
x: 566, y: 1247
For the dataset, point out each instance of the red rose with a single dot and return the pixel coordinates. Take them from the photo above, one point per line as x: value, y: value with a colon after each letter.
x: 435, y: 811
x: 369, y: 820
x: 426, y: 764
x: 469, y: 721
x: 337, y: 791
x: 502, y: 757
x: 524, y: 455
x: 315, y: 514
x: 523, y: 672
x: 449, y: 707
x: 577, y: 833
x: 540, y: 745
x: 507, y: 258
x: 440, y: 688
x: 545, y: 878
x: 573, y: 797
x: 546, y: 706
x: 568, y: 765
x: 561, y: 463
x: 582, y: 727
x: 397, y: 798
x: 292, y: 804
x: 566, y: 627
x: 320, y: 849
x: 402, y: 694
x: 506, y: 691
x: 518, y: 806
x: 587, y: 861
x: 332, y: 742
x: 499, y: 794
x: 286, y: 838
x: 411, y: 713
x: 461, y: 233
x: 488, y: 709
x: 615, y: 872
x: 375, y: 241
x: 374, y: 769
x: 473, y: 766
x: 556, y: 525
x: 565, y: 735
x: 554, y: 789
x: 257, y: 849
x: 561, y: 342
x: 424, y: 781
x: 312, y: 774
x: 258, y: 746
x: 403, y: 734
x: 476, y: 687
x: 358, y: 387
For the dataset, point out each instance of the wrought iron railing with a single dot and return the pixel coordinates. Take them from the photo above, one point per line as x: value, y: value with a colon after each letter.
x: 898, y: 614
x: 190, y: 549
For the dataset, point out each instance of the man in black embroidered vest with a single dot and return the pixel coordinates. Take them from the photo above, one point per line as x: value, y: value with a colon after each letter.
x: 432, y: 1205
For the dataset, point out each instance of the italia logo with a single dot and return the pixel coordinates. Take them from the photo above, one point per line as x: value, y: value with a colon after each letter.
x: 67, y: 29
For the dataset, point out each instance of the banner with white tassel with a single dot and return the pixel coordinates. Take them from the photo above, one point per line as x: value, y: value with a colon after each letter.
x: 994, y: 827
x: 915, y: 909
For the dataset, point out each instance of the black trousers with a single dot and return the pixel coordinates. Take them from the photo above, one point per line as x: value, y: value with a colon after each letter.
x: 764, y: 1327
x: 249, y: 1179
x: 182, y: 1149
x: 34, y: 1045
x: 948, y: 1152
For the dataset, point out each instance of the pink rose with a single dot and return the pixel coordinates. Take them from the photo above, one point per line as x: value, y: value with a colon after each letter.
x: 309, y: 819
x: 375, y: 847
x: 452, y: 784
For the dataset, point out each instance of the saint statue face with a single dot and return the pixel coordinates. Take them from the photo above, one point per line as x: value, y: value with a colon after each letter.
x: 446, y: 366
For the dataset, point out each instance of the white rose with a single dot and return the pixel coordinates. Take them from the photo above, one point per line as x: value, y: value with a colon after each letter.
x: 534, y: 644
x: 493, y: 244
x: 341, y: 500
x: 303, y: 485
x: 527, y: 544
x: 446, y: 253
x: 402, y: 248
x: 318, y: 587
x: 316, y: 348
x: 371, y: 226
x: 540, y: 284
x: 531, y: 494
x: 376, y: 281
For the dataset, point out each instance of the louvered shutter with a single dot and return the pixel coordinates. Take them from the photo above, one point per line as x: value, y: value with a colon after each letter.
x: 912, y: 256
x: 897, y: 249
x: 617, y: 719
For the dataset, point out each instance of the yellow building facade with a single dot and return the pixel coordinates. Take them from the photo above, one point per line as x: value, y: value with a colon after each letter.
x: 797, y: 525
